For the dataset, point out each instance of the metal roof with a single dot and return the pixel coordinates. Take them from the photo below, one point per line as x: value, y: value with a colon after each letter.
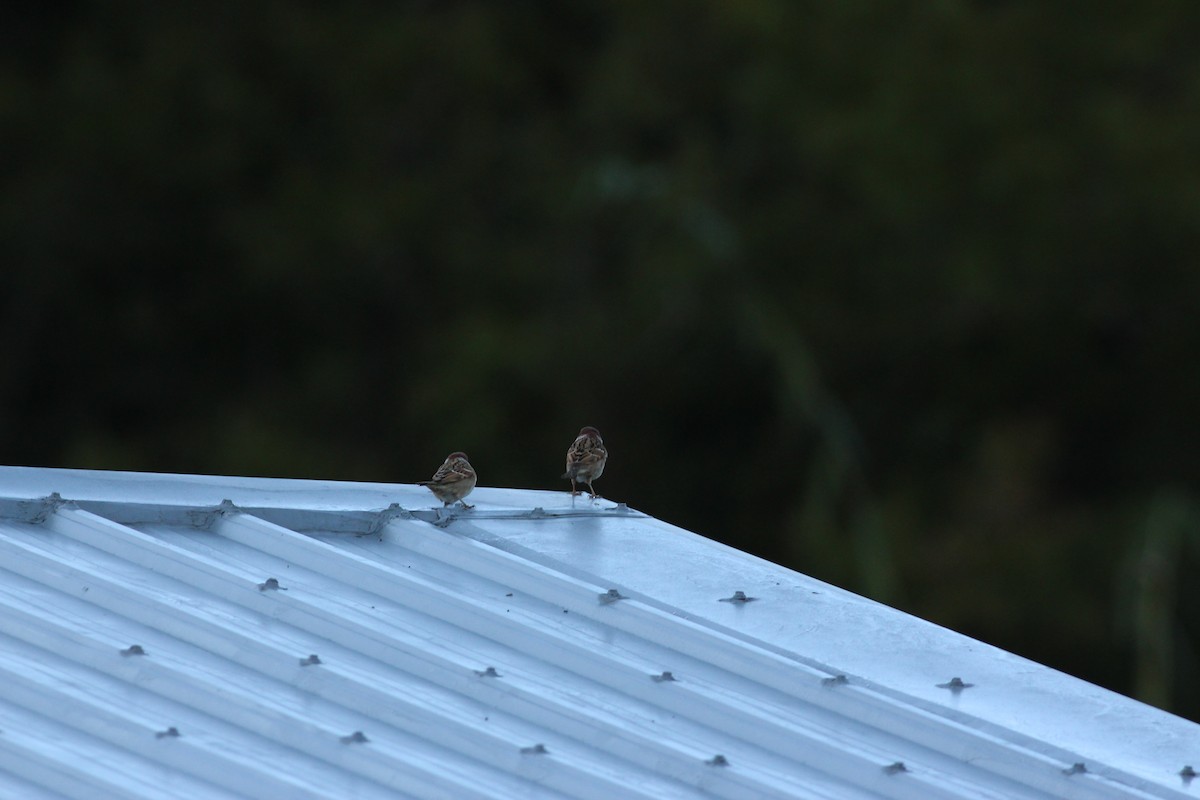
x: 197, y: 636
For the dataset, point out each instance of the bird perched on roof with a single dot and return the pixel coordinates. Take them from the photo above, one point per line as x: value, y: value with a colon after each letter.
x: 585, y: 459
x: 453, y: 481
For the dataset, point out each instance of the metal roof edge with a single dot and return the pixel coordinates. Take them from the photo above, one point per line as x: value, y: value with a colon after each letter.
x: 897, y: 669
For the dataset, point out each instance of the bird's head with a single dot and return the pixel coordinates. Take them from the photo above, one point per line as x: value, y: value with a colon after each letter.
x: 456, y: 455
x: 588, y: 430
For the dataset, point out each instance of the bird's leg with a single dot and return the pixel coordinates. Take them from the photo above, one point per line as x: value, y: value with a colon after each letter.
x: 592, y: 490
x: 574, y: 491
x: 464, y: 504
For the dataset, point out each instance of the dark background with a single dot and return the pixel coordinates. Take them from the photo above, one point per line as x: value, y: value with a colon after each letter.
x: 901, y: 295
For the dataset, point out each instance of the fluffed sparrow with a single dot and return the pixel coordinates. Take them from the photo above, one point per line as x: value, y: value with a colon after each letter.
x: 453, y: 481
x: 585, y: 459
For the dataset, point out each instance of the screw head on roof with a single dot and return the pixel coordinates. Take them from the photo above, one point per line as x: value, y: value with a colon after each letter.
x: 535, y: 750
x: 270, y: 583
x: 133, y: 650
x: 310, y: 661
x: 955, y: 685
x: 47, y: 507
x: 836, y: 680
x: 490, y: 672
x: 738, y: 598
x: 895, y: 768
x: 358, y: 737
x: 665, y: 676
x: 537, y: 513
x: 1187, y: 773
x: 384, y: 517
x: 717, y: 761
x: 169, y: 733
x: 611, y: 596
x: 1075, y: 769
x: 395, y: 510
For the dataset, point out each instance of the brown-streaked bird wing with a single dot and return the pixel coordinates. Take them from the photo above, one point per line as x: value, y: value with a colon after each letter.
x: 453, y: 472
x: 585, y: 452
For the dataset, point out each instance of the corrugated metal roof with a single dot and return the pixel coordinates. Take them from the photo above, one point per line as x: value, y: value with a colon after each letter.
x: 196, y: 636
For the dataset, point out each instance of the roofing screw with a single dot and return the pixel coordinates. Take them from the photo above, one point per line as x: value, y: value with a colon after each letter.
x: 270, y: 583
x: 169, y: 733
x: 48, y: 507
x: 1075, y: 769
x: 611, y: 596
x: 204, y: 518
x: 738, y: 598
x: 310, y: 661
x: 133, y: 650
x: 535, y: 750
x: 384, y: 517
x: 664, y: 677
x: 537, y: 513
x: 955, y: 685
x: 718, y: 761
x: 895, y: 768
x: 358, y: 737
x: 836, y: 680
x: 490, y: 672
x: 622, y: 508
x: 1187, y: 773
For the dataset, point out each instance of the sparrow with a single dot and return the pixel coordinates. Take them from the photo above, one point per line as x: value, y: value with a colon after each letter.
x: 585, y: 459
x: 453, y: 481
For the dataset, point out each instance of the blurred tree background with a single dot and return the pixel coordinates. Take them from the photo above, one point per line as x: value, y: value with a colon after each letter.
x: 901, y: 295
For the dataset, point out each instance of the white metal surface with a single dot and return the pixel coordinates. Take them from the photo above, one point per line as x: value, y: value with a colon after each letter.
x: 157, y: 635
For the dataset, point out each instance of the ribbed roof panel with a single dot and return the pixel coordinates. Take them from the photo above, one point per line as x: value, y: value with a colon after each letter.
x: 192, y: 636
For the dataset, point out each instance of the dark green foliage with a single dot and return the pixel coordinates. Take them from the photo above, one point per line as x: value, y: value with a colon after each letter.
x: 903, y: 296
